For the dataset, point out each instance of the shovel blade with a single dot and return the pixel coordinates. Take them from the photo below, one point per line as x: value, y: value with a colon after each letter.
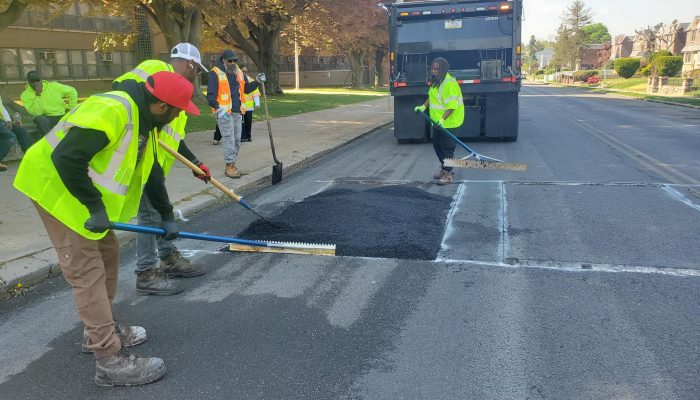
x: 276, y: 173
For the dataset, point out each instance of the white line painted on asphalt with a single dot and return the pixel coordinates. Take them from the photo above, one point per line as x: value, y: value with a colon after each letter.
x: 504, y: 244
x: 447, y: 233
x: 581, y: 267
x: 514, y: 182
x: 680, y: 197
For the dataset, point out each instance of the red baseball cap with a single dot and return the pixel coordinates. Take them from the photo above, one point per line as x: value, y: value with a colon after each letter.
x: 172, y: 89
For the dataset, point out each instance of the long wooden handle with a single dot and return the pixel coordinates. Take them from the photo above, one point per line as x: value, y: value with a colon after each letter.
x: 199, y: 171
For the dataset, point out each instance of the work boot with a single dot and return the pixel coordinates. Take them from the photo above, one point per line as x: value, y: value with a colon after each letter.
x: 157, y: 282
x: 176, y: 266
x: 128, y: 370
x: 129, y: 336
x: 438, y: 174
x: 446, y: 178
x: 232, y: 171
x: 3, y: 167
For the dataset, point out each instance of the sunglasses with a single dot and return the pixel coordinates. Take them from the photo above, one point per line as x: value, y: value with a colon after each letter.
x: 230, y: 61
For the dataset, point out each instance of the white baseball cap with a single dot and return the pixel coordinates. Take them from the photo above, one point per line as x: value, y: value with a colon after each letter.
x: 187, y: 52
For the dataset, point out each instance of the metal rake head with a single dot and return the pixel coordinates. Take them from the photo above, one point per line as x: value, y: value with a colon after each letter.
x: 472, y: 162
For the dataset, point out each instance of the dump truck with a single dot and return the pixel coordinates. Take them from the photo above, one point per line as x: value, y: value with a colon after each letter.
x: 481, y: 41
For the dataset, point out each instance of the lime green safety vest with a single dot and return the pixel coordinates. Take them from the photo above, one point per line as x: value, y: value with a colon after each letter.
x: 175, y: 130
x: 114, y: 170
x: 448, y: 96
x: 250, y: 97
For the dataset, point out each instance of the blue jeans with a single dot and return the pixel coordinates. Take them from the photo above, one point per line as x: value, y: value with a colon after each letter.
x: 146, y: 256
x: 9, y: 137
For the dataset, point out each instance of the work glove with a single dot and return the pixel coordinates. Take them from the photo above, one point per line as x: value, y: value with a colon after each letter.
x: 221, y: 113
x: 98, y: 222
x: 207, y: 174
x: 420, y: 108
x: 257, y: 101
x: 441, y: 122
x: 261, y: 77
x: 171, y: 229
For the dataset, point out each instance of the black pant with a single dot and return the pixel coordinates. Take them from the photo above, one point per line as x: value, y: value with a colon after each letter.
x: 46, y: 122
x: 444, y: 146
x: 247, y: 125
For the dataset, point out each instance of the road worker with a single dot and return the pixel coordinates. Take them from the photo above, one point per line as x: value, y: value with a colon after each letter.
x: 152, y: 277
x: 90, y: 169
x: 447, y: 109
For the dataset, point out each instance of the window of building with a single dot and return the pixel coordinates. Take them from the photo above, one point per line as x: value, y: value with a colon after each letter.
x: 47, y: 56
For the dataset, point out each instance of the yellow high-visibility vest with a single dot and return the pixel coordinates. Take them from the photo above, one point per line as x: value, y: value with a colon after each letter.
x: 113, y: 170
x: 448, y: 96
x: 171, y: 133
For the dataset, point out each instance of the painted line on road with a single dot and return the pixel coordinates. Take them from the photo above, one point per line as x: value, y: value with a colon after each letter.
x: 583, y: 267
x: 642, y: 158
x: 513, y: 182
x: 680, y: 197
x: 504, y: 244
x: 447, y: 233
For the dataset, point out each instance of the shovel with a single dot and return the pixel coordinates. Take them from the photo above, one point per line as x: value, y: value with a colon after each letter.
x: 277, y: 168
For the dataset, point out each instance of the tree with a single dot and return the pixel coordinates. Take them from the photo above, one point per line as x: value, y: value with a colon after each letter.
x: 255, y: 26
x: 596, y: 33
x: 11, y: 10
x: 571, y: 33
x: 357, y: 28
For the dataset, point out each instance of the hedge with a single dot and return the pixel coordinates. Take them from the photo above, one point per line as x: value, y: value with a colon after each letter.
x: 627, y: 67
x: 668, y: 65
x: 657, y: 54
x: 583, y: 75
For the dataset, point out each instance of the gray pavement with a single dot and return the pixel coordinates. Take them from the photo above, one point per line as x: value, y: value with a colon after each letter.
x: 26, y: 253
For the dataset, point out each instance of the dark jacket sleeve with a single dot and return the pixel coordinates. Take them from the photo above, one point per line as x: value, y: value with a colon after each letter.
x: 185, y: 151
x: 250, y: 86
x: 157, y: 194
x: 71, y: 158
x: 212, y: 90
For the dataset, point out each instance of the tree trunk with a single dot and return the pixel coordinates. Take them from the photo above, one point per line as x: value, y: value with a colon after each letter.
x: 12, y: 13
x: 378, y: 66
x: 356, y: 67
x: 268, y: 56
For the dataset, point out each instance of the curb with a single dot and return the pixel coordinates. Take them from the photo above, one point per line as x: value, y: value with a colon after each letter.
x: 41, y: 265
x: 622, y: 93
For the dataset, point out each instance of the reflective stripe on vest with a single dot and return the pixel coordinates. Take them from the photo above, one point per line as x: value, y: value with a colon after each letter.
x: 141, y: 73
x: 171, y: 132
x: 105, y: 179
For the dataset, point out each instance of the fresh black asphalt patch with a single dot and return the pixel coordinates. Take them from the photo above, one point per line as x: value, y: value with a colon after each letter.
x: 399, y: 221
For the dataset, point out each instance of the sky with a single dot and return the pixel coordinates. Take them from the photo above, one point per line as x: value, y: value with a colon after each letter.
x: 542, y: 17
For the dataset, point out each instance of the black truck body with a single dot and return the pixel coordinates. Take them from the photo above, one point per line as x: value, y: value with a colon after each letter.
x: 481, y: 41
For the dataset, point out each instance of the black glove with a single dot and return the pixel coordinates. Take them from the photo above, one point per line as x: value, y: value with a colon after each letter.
x: 171, y: 229
x: 98, y: 222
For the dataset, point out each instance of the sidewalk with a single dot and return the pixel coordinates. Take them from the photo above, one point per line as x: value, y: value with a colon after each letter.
x: 26, y: 253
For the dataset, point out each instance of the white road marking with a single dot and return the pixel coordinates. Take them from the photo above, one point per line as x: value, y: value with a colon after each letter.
x: 680, y: 197
x: 580, y: 267
x: 449, y: 229
x: 504, y: 244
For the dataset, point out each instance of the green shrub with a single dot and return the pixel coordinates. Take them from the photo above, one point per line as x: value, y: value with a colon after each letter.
x: 646, y: 71
x: 626, y: 67
x: 668, y: 65
x: 583, y: 75
x: 657, y: 54
x: 694, y: 74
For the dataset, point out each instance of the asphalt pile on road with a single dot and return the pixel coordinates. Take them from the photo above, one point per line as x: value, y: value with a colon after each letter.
x: 389, y: 222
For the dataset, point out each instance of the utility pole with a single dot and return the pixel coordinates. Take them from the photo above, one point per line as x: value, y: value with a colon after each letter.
x: 296, y: 56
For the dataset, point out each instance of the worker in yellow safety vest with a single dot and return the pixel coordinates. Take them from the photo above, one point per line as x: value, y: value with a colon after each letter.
x: 447, y: 109
x: 90, y: 169
x: 226, y: 89
x: 153, y: 277
x: 252, y: 100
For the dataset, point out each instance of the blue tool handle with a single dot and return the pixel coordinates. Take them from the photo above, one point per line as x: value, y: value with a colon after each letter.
x: 459, y: 142
x: 186, y: 235
x: 245, y: 204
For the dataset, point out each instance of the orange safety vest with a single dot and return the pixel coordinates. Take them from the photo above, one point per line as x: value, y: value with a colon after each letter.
x: 224, y: 95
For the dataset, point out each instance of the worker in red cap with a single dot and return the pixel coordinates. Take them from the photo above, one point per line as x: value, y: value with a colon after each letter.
x: 92, y: 168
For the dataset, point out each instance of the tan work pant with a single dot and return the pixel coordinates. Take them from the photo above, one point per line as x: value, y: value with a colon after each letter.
x: 91, y: 268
